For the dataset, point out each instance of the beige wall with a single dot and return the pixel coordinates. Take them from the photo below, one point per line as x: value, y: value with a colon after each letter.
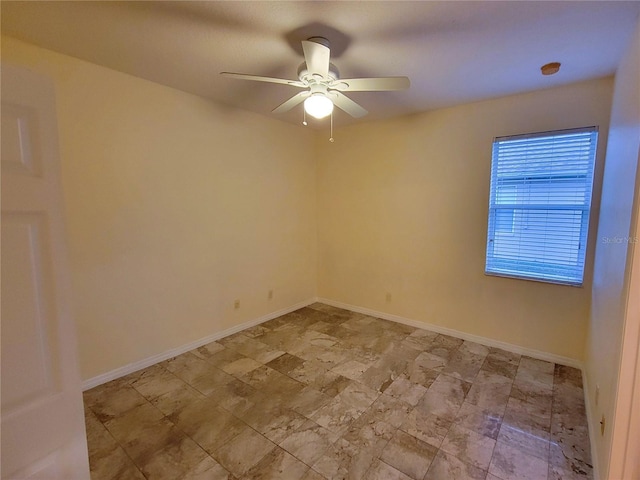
x: 613, y: 258
x: 175, y: 208
x: 402, y: 208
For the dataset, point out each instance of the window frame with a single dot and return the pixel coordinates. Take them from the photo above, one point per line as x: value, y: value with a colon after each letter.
x: 519, y: 267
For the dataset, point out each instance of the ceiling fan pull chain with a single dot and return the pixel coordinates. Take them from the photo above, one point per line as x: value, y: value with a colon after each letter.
x: 304, y: 117
x: 331, y: 137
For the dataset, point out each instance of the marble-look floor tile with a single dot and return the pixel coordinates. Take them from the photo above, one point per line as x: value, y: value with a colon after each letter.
x: 114, y: 464
x: 337, y: 415
x: 251, y: 348
x: 277, y: 464
x: 448, y: 467
x: 309, y: 442
x: 370, y: 435
x: 464, y: 365
x: 469, y: 446
x: 256, y: 331
x: 212, y: 382
x: 444, y: 346
x: 420, y: 339
x: 241, y: 367
x: 331, y: 384
x: 143, y: 431
x: 542, y: 379
x: 496, y: 366
x: 343, y: 460
x: 112, y: 399
x: 408, y: 391
x: 509, y: 463
x: 174, y: 460
x: 409, y: 455
x: 383, y: 471
x: 391, y: 410
x: 490, y: 391
x: 173, y: 402
x: 534, y: 364
x: 224, y: 357
x: 207, y: 424
x: 243, y: 451
x: 483, y: 421
x: 308, y: 401
x: 533, y: 442
x: 431, y: 361
x: 421, y: 375
x: 235, y: 396
x: 312, y: 475
x: 571, y: 472
x: 444, y: 398
x: 429, y: 428
x: 571, y: 452
x: 383, y: 372
x: 207, y: 469
x: 188, y: 366
x: 142, y: 374
x: 503, y: 355
x: 208, y: 350
x: 99, y: 439
x: 285, y: 363
x: 351, y: 369
x: 276, y: 424
x: 567, y: 375
x: 527, y: 416
x: 474, y: 348
x: 533, y: 393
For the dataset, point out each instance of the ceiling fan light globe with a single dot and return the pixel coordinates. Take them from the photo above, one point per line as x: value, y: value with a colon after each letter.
x: 318, y: 106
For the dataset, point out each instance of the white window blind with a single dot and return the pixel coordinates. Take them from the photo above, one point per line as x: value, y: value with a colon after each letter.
x: 539, y: 205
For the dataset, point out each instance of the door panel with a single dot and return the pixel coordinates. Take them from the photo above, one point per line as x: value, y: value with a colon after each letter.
x: 27, y: 313
x: 43, y: 433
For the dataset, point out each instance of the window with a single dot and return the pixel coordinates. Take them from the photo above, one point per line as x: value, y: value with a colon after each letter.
x: 539, y: 205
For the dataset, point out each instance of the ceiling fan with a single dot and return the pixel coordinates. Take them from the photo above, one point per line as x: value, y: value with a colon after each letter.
x: 323, y: 85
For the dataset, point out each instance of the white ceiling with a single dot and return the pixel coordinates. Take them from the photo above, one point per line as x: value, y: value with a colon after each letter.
x: 453, y: 51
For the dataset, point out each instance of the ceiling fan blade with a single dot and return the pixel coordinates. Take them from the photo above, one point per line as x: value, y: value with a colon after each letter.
x: 292, y: 102
x: 371, y: 84
x: 316, y: 57
x: 257, y: 78
x: 345, y: 103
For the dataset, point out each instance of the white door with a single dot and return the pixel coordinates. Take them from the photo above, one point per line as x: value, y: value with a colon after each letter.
x: 43, y: 434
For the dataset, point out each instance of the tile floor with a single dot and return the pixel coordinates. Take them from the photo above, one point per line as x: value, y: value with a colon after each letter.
x: 324, y: 393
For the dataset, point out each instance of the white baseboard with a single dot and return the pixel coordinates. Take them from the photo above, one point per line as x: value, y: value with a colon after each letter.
x: 593, y: 431
x: 489, y: 342
x: 147, y: 362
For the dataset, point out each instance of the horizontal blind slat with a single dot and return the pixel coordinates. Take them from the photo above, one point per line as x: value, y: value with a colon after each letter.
x: 539, y: 204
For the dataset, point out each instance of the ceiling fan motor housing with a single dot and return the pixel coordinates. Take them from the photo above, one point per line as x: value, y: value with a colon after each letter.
x: 305, y: 76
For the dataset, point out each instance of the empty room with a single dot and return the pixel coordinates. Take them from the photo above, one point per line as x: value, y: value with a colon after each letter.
x: 318, y: 240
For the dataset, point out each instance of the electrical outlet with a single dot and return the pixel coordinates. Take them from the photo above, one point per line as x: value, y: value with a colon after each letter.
x: 597, y: 394
x: 602, y: 422
x: 388, y: 297
x: 270, y: 295
x: 236, y: 304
